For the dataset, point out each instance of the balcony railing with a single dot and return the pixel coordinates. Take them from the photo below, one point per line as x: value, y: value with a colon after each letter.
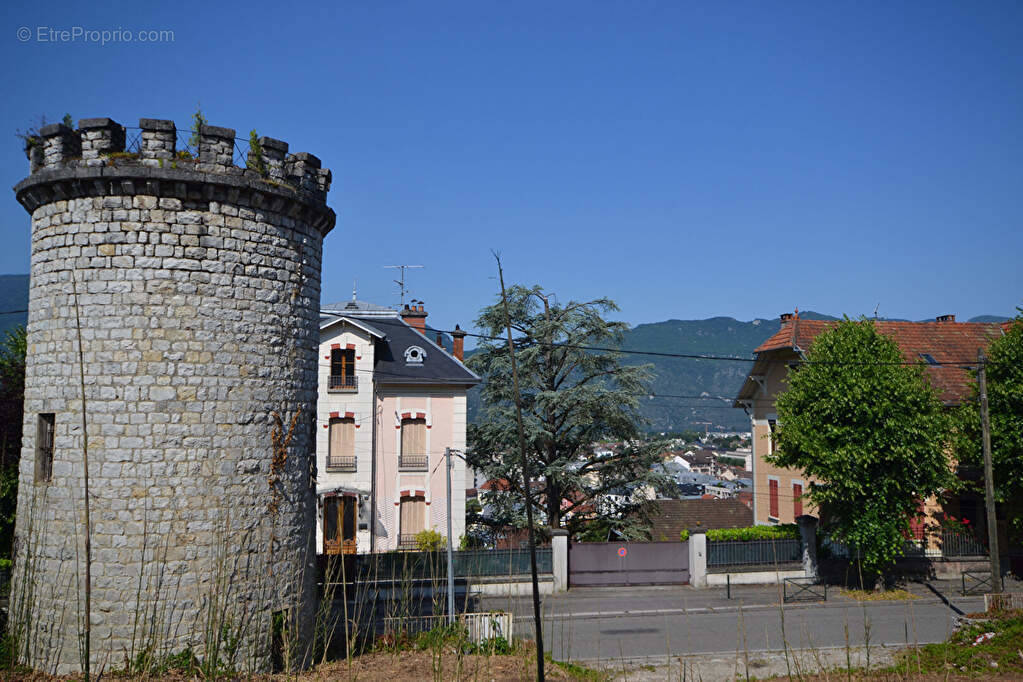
x: 340, y: 462
x: 413, y: 462
x: 407, y: 541
x: 343, y: 382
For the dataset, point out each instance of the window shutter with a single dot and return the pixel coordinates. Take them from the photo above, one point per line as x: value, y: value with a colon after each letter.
x: 413, y: 436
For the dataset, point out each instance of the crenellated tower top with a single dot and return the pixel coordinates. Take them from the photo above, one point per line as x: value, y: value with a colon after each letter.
x: 102, y: 157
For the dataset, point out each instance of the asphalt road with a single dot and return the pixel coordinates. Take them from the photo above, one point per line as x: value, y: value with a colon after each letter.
x: 634, y: 623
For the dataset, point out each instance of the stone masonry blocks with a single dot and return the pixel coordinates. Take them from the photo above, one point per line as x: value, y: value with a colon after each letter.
x: 198, y: 294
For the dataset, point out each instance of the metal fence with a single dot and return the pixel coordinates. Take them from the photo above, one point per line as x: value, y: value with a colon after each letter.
x: 976, y: 582
x: 961, y: 544
x: 1006, y: 601
x: 186, y: 146
x: 753, y: 552
x: 839, y: 550
x: 804, y: 589
x: 467, y: 564
x: 480, y: 627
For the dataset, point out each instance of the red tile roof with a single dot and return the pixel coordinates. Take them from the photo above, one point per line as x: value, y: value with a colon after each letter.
x: 946, y: 342
x: 496, y: 484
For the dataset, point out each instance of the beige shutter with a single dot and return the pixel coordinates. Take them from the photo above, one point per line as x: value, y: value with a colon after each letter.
x: 348, y: 437
x: 413, y: 437
x: 342, y: 438
x: 337, y: 438
x: 420, y: 508
x: 413, y: 515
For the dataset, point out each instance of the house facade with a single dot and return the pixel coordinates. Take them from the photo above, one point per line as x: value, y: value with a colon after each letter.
x: 391, y: 401
x: 778, y: 492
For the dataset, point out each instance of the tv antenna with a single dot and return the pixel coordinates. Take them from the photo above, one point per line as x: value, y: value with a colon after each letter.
x: 401, y: 282
x: 875, y: 309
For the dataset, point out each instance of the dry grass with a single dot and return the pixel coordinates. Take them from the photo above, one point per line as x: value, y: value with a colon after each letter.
x: 388, y: 666
x: 880, y: 595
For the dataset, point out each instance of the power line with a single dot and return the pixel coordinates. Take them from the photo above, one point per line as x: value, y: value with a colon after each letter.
x: 722, y: 358
x: 965, y: 364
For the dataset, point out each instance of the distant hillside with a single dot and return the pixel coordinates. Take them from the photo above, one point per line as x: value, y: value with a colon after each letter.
x: 13, y: 296
x: 718, y: 336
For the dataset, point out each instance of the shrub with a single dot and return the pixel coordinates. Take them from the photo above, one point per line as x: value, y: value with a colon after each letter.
x: 782, y: 532
x: 430, y: 541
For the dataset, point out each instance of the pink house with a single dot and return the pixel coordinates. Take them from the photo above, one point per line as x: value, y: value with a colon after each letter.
x: 391, y: 400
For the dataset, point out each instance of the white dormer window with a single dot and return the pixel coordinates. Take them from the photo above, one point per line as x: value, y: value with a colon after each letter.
x: 414, y: 355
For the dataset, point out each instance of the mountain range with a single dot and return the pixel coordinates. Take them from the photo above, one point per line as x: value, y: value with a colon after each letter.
x: 707, y: 386
x: 689, y: 393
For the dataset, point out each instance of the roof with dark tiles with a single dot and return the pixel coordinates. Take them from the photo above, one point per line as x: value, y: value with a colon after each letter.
x: 430, y: 364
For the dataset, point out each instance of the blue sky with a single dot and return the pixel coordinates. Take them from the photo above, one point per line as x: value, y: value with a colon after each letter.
x: 686, y: 160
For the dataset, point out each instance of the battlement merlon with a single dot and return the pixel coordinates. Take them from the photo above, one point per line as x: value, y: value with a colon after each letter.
x: 101, y: 141
x: 100, y: 137
x: 158, y: 144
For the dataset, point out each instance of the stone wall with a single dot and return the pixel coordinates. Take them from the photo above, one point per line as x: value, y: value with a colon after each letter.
x: 198, y: 287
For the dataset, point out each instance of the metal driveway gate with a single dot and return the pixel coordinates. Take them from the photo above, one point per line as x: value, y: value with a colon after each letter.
x: 628, y: 563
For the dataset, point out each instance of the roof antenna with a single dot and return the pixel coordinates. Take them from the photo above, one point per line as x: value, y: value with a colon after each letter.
x: 401, y: 282
x: 354, y: 283
x: 875, y: 309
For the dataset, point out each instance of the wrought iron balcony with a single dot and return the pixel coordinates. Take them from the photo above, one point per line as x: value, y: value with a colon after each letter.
x: 413, y: 462
x: 407, y: 541
x: 341, y: 463
x: 343, y: 383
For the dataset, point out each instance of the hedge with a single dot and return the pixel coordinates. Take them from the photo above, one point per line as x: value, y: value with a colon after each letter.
x: 783, y: 531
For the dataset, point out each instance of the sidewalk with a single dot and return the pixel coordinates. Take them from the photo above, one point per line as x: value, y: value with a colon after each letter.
x: 583, y: 602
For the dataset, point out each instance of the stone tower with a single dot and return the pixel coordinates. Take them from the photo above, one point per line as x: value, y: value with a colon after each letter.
x: 197, y: 287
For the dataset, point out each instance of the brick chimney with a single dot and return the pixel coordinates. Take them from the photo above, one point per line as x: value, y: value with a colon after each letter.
x: 415, y: 317
x: 458, y: 343
x: 786, y: 318
x: 946, y: 318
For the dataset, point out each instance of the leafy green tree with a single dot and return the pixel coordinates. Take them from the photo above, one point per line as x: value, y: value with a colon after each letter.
x: 572, y: 397
x: 871, y: 432
x: 12, y: 398
x: 1005, y: 410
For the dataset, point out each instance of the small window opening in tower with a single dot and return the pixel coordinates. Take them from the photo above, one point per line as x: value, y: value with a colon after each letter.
x: 45, y: 426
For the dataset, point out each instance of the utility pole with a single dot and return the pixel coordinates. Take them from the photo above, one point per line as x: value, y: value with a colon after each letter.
x: 537, y: 622
x: 451, y: 540
x: 989, y: 483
